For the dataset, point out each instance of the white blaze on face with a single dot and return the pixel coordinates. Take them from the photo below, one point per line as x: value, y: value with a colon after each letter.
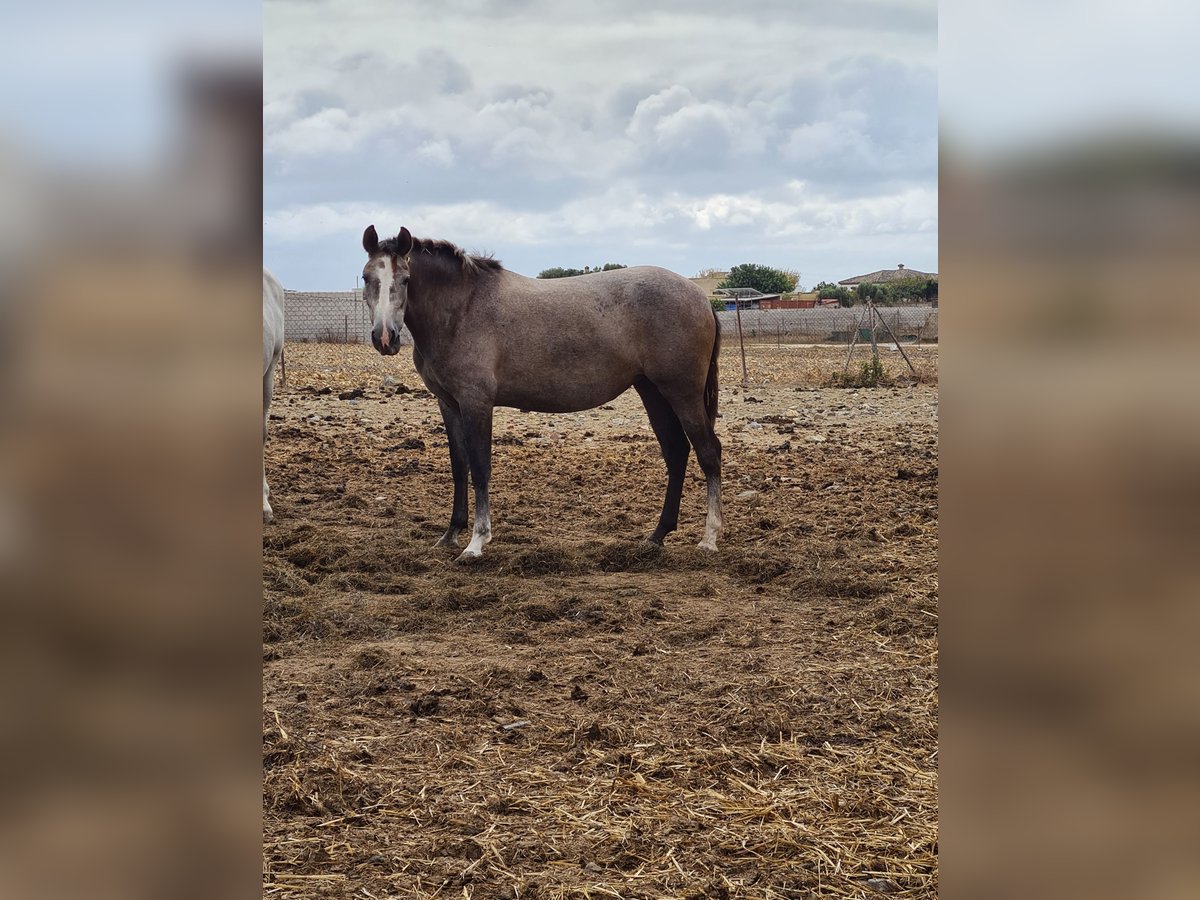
x: 383, y: 303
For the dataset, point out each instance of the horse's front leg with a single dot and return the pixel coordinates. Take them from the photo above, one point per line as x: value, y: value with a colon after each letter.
x: 477, y: 426
x: 268, y: 390
x: 458, y: 467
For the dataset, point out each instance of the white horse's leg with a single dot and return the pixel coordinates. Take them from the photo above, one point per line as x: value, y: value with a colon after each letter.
x: 273, y: 333
x: 268, y: 513
x: 268, y: 387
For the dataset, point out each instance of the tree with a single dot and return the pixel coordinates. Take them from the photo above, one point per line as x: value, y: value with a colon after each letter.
x: 909, y: 290
x: 560, y: 272
x: 761, y: 278
x: 868, y: 290
x: 827, y: 291
x: 888, y: 294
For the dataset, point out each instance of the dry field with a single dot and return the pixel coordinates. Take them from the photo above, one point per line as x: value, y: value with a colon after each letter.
x: 575, y: 715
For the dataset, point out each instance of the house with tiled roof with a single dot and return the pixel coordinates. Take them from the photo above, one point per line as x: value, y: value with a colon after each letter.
x: 885, y: 275
x: 900, y: 273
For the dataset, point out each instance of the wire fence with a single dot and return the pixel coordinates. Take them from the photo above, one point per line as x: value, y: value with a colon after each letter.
x: 829, y: 325
x: 342, y: 317
x: 334, y: 317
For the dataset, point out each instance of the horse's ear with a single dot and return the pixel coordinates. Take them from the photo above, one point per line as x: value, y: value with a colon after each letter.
x: 370, y: 241
x: 404, y: 241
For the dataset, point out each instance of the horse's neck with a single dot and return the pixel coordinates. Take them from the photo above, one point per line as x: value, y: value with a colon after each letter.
x: 436, y: 299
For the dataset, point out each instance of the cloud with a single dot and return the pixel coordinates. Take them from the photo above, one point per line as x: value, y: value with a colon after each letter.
x: 438, y: 153
x: 327, y: 132
x: 535, y: 123
x: 796, y: 210
x: 673, y: 126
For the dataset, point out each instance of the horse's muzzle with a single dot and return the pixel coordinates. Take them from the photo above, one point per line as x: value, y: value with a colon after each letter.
x: 393, y: 345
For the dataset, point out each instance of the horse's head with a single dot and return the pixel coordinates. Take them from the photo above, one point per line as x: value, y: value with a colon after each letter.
x: 385, y: 286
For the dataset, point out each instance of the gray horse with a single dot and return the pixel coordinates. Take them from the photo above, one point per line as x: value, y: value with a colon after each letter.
x: 484, y: 337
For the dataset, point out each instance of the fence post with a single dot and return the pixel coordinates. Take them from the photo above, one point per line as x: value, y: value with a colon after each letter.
x: 874, y: 325
x: 853, y: 340
x: 737, y: 307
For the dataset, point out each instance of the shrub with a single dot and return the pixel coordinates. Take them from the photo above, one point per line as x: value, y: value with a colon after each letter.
x: 870, y: 374
x: 762, y: 278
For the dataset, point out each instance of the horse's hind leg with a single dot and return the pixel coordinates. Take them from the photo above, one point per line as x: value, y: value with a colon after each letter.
x: 690, y: 410
x: 674, y: 444
x: 459, y: 466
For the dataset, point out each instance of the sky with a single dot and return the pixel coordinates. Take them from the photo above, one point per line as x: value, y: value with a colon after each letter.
x: 1019, y: 74
x: 688, y: 134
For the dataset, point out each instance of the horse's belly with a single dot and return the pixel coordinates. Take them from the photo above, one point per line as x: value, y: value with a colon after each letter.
x: 559, y: 398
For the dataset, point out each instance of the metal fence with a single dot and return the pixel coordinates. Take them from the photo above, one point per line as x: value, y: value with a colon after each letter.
x: 830, y: 325
x: 342, y: 317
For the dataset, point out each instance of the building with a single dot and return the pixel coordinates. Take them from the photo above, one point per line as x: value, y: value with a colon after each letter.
x: 708, y: 283
x: 745, y: 298
x: 794, y: 301
x: 883, y: 276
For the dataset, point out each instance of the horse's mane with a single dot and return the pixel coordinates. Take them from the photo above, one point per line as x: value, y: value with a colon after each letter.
x: 448, y: 252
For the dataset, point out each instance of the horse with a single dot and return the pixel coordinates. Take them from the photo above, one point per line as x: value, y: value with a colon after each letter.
x: 484, y: 336
x: 272, y: 352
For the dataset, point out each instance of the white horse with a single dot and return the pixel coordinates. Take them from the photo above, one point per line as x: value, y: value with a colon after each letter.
x: 272, y: 351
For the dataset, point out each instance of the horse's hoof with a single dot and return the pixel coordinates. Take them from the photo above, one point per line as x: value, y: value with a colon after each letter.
x: 710, y: 546
x: 447, y: 540
x: 268, y: 517
x: 468, y: 556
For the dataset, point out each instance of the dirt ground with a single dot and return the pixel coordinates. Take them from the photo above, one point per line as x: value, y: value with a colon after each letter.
x: 576, y: 715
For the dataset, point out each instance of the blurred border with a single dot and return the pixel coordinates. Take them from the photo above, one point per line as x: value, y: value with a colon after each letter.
x: 130, y: 536
x: 1070, y: 222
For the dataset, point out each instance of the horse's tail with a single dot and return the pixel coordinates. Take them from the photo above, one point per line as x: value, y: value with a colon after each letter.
x: 710, y: 386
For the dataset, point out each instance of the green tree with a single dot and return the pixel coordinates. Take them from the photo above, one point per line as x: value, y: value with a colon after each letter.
x: 828, y: 291
x: 762, y: 278
x: 913, y: 290
x: 868, y: 290
x: 560, y: 272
